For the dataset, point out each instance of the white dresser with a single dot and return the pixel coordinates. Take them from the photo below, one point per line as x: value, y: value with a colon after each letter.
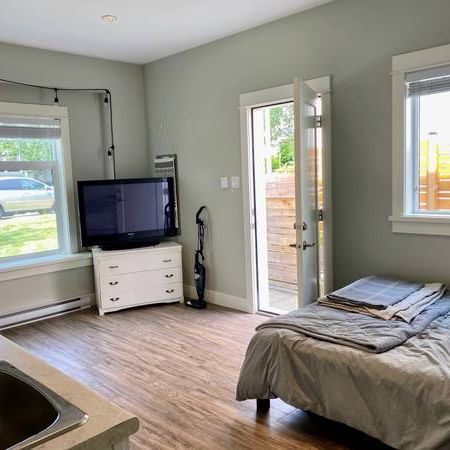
x: 141, y: 276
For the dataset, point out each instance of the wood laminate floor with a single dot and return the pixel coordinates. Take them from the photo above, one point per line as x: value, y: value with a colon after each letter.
x: 176, y: 369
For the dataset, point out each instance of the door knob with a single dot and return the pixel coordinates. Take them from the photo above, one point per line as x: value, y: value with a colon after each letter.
x: 306, y: 245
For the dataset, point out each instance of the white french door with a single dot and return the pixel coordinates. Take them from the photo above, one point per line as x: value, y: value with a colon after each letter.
x: 283, y: 192
x: 306, y: 188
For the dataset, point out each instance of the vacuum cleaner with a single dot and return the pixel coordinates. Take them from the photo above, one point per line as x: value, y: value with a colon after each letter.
x: 199, y: 266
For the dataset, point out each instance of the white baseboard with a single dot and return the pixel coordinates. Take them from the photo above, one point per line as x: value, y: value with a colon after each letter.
x: 220, y: 298
x: 44, y: 312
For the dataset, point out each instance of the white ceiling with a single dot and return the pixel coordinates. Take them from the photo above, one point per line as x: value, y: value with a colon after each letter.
x: 145, y: 30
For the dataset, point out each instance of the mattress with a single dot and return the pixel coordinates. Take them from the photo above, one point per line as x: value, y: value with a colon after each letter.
x: 401, y: 397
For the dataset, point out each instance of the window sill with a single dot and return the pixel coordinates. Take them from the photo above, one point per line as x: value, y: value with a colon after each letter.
x: 421, y: 224
x: 44, y: 264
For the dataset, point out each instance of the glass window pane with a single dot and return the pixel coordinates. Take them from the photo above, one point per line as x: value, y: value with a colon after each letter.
x: 28, y: 220
x: 434, y: 153
x: 26, y: 149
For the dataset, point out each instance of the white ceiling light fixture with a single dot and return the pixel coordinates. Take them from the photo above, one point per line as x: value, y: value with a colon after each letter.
x: 109, y: 18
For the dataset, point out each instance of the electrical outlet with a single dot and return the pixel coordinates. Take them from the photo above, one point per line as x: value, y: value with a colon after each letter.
x: 235, y: 182
x: 224, y: 182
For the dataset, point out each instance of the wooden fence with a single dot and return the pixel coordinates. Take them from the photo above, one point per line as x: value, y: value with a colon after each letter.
x: 280, y: 204
x: 280, y: 201
x: 434, y: 177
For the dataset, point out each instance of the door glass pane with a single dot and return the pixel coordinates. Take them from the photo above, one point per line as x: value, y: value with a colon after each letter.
x: 274, y: 178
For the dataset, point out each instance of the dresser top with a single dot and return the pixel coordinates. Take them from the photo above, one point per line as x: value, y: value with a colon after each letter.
x: 97, y: 251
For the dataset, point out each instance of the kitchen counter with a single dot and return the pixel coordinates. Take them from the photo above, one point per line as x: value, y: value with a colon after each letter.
x: 108, y: 426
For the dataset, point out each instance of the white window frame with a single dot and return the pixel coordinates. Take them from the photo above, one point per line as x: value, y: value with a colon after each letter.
x: 67, y: 230
x: 403, y: 219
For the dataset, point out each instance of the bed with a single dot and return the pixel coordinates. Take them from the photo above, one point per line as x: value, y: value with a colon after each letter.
x: 401, y: 397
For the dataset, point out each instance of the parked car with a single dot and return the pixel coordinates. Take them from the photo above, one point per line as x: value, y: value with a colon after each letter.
x: 20, y: 195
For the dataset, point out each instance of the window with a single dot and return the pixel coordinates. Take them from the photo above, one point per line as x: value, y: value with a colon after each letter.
x: 34, y: 181
x: 421, y: 142
x: 428, y: 112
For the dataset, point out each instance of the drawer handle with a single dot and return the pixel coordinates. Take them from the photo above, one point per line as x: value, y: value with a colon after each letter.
x: 169, y: 275
x: 167, y: 260
x: 113, y: 283
x: 169, y: 291
x: 114, y: 299
x: 113, y: 267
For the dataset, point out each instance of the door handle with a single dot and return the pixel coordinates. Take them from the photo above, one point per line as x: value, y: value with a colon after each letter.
x: 293, y: 245
x: 306, y: 245
x: 113, y: 283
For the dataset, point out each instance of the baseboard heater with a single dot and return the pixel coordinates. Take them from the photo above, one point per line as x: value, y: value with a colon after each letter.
x: 44, y: 312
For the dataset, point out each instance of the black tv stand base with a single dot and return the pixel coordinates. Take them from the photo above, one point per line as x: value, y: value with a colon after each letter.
x: 129, y: 245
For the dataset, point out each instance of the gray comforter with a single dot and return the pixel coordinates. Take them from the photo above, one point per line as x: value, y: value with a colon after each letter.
x: 357, y: 330
x: 401, y: 397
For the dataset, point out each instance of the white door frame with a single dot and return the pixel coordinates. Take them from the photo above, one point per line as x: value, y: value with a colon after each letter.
x: 267, y: 97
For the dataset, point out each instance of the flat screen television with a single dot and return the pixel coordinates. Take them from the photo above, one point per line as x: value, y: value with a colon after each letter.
x: 117, y: 214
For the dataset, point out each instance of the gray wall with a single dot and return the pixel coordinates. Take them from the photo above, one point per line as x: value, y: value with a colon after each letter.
x: 126, y: 83
x: 196, y: 93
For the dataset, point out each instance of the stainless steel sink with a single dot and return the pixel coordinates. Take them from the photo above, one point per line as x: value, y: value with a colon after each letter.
x: 30, y: 413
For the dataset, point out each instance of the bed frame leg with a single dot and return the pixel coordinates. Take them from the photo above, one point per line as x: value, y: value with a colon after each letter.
x: 262, y: 405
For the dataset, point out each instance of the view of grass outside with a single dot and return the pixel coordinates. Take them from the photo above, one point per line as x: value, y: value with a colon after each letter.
x: 28, y: 233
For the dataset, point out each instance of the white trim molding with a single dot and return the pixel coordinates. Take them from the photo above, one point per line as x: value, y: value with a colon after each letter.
x: 421, y: 224
x: 274, y: 95
x: 63, y: 178
x: 403, y: 218
x: 31, y: 110
x: 45, y: 264
x: 220, y: 298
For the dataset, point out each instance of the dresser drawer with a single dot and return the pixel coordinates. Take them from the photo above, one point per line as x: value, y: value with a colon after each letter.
x: 143, y: 295
x: 112, y: 284
x: 139, y: 262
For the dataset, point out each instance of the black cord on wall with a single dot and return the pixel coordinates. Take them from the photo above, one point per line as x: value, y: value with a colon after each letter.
x: 108, y: 99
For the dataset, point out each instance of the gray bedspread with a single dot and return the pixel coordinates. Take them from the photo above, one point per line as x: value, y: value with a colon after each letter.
x: 375, y: 292
x: 357, y: 330
x: 401, y: 397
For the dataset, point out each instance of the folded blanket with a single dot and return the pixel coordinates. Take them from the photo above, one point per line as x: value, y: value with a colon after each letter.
x: 406, y: 309
x: 357, y: 330
x: 374, y: 292
x: 407, y: 313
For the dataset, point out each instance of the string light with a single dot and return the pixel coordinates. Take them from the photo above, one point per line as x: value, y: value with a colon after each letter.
x: 107, y: 100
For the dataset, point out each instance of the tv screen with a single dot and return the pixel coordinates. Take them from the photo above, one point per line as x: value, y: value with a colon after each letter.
x: 122, y: 213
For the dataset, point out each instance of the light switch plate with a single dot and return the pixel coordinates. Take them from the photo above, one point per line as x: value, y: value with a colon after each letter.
x: 224, y: 182
x: 235, y: 182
